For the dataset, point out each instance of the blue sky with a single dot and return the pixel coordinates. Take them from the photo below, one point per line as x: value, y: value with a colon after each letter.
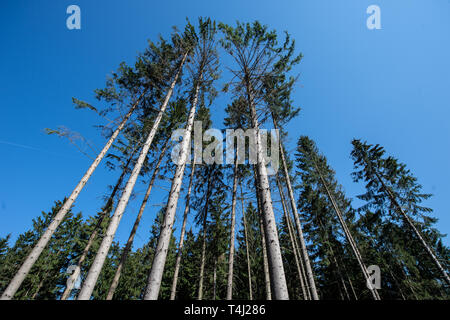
x: 388, y: 86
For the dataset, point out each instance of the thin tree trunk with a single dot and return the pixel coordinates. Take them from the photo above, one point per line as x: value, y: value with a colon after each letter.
x: 246, y: 249
x: 299, y: 254
x: 202, y: 263
x: 106, y: 209
x: 232, y: 232
x: 157, y: 270
x: 263, y: 242
x: 348, y: 235
x: 203, y: 258
x: 291, y: 237
x: 309, y: 272
x: 46, y: 236
x: 214, y: 279
x: 173, y: 289
x: 94, y: 272
x: 428, y: 249
x: 129, y: 244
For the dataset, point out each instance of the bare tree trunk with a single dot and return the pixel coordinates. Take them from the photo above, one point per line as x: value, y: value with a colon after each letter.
x: 202, y: 263
x: 157, y: 270
x: 309, y: 272
x: 348, y: 235
x: 291, y: 237
x: 428, y: 249
x: 173, y: 289
x: 46, y: 236
x: 232, y: 232
x: 106, y: 209
x: 94, y: 272
x: 263, y: 242
x: 129, y: 244
x: 203, y: 259
x: 246, y: 248
x: 276, y: 268
x: 299, y: 255
x: 214, y: 279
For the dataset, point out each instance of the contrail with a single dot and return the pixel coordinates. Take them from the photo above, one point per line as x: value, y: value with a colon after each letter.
x: 34, y: 148
x: 20, y: 145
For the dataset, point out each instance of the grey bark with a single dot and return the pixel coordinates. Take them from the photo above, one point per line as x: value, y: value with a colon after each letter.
x: 130, y: 240
x: 203, y: 258
x: 267, y: 281
x: 276, y: 268
x: 157, y: 270
x: 249, y: 272
x: 309, y: 272
x: 232, y: 232
x: 173, y: 289
x: 106, y: 209
x: 291, y: 238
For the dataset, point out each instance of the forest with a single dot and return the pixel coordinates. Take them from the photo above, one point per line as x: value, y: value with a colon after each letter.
x: 258, y: 234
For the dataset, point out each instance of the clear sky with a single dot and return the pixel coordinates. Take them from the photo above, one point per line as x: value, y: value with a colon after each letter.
x: 388, y: 86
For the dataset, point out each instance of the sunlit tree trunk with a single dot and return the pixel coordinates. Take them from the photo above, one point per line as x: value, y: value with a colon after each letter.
x: 249, y: 271
x: 275, y: 260
x: 291, y: 238
x: 309, y: 272
x: 45, y: 238
x: 129, y: 244
x: 94, y: 272
x: 106, y: 209
x: 159, y: 261
x: 232, y: 232
x: 263, y: 242
x: 203, y: 258
x: 173, y: 289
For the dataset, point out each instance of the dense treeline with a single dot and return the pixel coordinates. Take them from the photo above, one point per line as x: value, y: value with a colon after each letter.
x: 256, y: 232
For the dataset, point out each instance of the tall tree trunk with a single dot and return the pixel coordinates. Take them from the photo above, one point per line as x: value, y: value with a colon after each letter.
x: 276, y: 268
x: 129, y: 244
x: 299, y: 255
x: 106, y: 210
x: 249, y: 272
x: 94, y: 272
x: 291, y: 238
x: 202, y: 263
x: 232, y: 232
x: 263, y: 241
x: 214, y: 279
x: 427, y: 248
x: 46, y: 236
x: 309, y: 272
x: 348, y: 235
x: 203, y: 258
x: 173, y: 289
x: 157, y: 270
